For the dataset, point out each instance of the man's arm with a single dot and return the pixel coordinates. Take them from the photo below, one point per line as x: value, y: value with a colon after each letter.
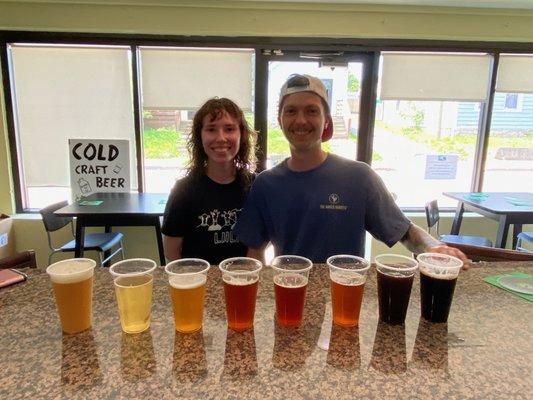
x: 419, y: 241
x: 172, y: 246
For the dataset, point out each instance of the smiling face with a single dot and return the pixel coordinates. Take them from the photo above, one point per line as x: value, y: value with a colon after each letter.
x: 303, y: 120
x: 220, y: 138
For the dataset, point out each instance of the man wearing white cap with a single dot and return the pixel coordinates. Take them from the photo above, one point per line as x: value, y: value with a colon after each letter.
x: 316, y: 204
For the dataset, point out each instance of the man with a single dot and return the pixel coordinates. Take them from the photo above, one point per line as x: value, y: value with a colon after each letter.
x: 316, y: 204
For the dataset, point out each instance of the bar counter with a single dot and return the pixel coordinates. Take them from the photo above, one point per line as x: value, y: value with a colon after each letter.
x: 485, y: 351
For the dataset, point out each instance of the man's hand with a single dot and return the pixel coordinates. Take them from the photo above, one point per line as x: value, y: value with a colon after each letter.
x: 451, y: 251
x: 419, y: 241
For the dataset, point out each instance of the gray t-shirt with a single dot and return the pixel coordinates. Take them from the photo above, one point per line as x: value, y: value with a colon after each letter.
x: 321, y: 212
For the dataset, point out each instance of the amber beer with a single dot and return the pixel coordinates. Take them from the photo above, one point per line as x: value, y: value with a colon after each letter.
x: 241, y: 277
x: 240, y: 296
x: 187, y: 278
x: 346, y: 298
x: 291, y: 274
x: 187, y: 294
x: 348, y: 277
x: 72, y: 282
x: 289, y: 291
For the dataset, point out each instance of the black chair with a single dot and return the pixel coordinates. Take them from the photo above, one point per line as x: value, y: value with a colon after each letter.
x: 101, y: 242
x: 524, y: 237
x: 433, y: 217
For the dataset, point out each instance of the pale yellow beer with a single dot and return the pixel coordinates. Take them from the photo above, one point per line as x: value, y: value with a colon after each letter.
x: 134, y: 299
x: 187, y: 293
x: 72, y: 282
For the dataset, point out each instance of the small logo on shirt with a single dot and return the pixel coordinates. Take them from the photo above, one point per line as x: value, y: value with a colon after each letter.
x: 334, y: 200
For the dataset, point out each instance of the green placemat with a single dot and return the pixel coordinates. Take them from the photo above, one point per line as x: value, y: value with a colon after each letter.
x: 90, y: 202
x: 493, y: 280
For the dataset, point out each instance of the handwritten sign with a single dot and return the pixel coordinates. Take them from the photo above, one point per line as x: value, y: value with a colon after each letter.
x: 99, y: 165
x: 441, y: 166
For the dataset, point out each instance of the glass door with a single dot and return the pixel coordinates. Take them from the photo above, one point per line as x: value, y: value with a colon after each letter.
x: 343, y: 77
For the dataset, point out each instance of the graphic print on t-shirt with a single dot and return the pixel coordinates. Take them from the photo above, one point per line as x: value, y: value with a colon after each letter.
x: 212, y: 219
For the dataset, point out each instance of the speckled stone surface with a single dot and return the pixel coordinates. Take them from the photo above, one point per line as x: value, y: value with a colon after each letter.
x: 484, y: 352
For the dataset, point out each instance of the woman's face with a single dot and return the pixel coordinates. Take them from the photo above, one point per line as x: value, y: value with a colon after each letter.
x: 221, y: 138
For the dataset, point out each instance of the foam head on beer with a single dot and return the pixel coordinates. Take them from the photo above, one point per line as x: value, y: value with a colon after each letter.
x: 71, y: 271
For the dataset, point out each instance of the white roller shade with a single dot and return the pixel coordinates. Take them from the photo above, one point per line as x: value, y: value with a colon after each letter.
x: 515, y: 74
x: 69, y: 92
x: 439, y: 77
x: 186, y: 78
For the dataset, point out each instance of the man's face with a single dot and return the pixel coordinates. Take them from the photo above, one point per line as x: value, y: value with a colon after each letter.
x: 302, y: 119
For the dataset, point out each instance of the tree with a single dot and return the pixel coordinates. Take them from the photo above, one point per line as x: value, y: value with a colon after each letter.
x: 353, y: 83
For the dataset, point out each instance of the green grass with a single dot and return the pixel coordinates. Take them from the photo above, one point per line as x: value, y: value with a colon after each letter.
x: 162, y: 143
x: 278, y: 144
x: 467, y: 139
x: 461, y: 144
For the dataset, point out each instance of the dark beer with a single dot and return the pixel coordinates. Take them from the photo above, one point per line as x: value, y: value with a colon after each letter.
x: 436, y: 294
x: 289, y: 290
x: 394, y: 290
x: 240, y: 293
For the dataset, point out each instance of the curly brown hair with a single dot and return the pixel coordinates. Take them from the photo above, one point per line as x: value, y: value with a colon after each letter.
x: 214, y: 108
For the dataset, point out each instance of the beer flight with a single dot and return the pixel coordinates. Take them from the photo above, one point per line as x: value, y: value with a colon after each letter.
x: 72, y: 282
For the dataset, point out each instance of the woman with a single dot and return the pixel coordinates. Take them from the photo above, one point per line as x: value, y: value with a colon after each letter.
x: 203, y: 207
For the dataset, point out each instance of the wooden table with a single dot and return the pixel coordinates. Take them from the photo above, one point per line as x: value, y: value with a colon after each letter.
x: 484, y: 352
x: 508, y: 208
x: 118, y: 209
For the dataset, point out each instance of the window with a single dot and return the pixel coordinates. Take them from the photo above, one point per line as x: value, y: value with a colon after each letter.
x: 428, y: 115
x: 66, y: 92
x: 511, y: 101
x: 343, y: 83
x: 426, y: 127
x: 509, y: 162
x: 175, y: 83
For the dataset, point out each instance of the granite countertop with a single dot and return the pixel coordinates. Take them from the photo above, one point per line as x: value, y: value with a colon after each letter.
x: 484, y: 352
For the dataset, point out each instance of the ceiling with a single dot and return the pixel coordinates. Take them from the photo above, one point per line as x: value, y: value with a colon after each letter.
x: 505, y: 4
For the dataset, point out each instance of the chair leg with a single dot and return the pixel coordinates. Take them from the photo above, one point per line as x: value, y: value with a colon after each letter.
x: 122, y: 250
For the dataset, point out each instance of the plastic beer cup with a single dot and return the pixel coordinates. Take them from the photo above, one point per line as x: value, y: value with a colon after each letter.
x: 438, y: 276
x: 187, y: 278
x: 72, y: 281
x: 291, y: 274
x: 241, y: 277
x: 395, y: 275
x: 348, y: 276
x: 133, y: 289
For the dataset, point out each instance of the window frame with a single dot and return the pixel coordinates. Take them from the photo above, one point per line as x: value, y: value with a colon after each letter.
x: 372, y: 47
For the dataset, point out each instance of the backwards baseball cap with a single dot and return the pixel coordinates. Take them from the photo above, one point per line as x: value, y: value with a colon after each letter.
x: 307, y: 83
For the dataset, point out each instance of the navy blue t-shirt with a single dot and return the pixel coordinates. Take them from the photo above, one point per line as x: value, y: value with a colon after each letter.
x: 321, y: 212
